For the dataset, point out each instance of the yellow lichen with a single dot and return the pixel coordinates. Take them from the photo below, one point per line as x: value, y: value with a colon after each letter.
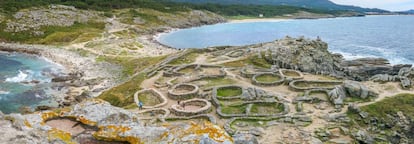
x: 49, y: 115
x: 86, y: 121
x: 213, y: 131
x: 27, y: 124
x: 66, y: 137
x: 111, y: 133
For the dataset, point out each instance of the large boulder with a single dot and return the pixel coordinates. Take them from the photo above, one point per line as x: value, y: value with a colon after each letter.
x: 245, y: 139
x: 337, y: 96
x: 356, y: 89
x: 363, y: 137
x: 349, y: 89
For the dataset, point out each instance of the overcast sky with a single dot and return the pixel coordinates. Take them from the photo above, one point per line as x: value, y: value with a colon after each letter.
x: 393, y: 5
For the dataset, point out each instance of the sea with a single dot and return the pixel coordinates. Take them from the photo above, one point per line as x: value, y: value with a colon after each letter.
x: 25, y: 81
x: 390, y: 37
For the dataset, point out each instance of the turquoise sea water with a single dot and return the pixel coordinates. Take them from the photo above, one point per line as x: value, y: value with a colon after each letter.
x: 390, y: 37
x: 25, y: 81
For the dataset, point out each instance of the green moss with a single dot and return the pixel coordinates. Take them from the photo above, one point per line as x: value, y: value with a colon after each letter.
x: 227, y: 92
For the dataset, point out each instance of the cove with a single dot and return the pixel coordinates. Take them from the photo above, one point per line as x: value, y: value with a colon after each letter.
x: 390, y: 37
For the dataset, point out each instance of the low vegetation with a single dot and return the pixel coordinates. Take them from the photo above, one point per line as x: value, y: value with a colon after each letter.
x: 132, y: 65
x: 187, y: 59
x: 228, y: 92
x: 123, y: 95
x: 251, y: 60
x: 271, y: 108
x: 267, y: 78
x: 79, y: 32
x: 392, y: 105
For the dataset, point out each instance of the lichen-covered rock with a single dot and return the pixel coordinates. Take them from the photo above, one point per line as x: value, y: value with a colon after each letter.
x: 9, y: 134
x: 364, y: 137
x: 350, y: 89
x: 384, y: 78
x: 356, y: 89
x: 113, y: 123
x: 245, y: 139
x: 406, y: 82
x: 337, y: 96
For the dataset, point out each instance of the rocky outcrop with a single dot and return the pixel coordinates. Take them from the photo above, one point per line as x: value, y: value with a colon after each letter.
x: 364, y: 68
x: 192, y: 18
x: 56, y: 15
x: 245, y: 139
x: 113, y: 123
x: 350, y: 89
x: 302, y: 54
x: 405, y: 76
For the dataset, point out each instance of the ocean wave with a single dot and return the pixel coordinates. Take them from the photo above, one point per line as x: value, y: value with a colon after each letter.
x: 21, y: 77
x: 4, y: 92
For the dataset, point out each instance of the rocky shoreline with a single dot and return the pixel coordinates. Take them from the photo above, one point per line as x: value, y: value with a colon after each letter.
x: 82, y: 77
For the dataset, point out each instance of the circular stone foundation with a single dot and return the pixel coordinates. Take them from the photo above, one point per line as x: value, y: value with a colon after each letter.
x: 191, y: 107
x: 235, y: 53
x: 151, y: 98
x: 267, y: 79
x: 183, y: 91
x: 292, y: 74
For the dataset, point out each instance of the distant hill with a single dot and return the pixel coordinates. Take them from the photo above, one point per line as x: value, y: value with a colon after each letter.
x: 314, y: 4
x: 407, y: 12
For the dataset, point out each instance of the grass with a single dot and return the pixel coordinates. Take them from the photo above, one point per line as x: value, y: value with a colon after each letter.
x: 268, y: 108
x: 187, y: 59
x: 241, y: 109
x: 228, y: 92
x: 391, y: 105
x: 291, y: 73
x: 252, y: 60
x: 187, y: 70
x: 79, y: 32
x: 123, y: 95
x: 148, y: 99
x: 267, y: 78
x: 132, y: 65
x: 218, y: 81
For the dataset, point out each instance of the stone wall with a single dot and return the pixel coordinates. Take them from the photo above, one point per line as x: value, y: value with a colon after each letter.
x: 155, y: 93
x: 179, y: 110
x: 193, y: 91
x: 275, y: 83
x: 293, y: 84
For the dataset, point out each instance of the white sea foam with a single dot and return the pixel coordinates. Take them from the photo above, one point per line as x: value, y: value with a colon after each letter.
x: 19, y: 78
x: 4, y: 92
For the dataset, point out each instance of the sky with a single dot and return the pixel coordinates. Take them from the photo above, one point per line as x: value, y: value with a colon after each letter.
x: 392, y: 5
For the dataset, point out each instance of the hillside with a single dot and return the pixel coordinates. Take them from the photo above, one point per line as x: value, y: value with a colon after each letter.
x: 314, y: 4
